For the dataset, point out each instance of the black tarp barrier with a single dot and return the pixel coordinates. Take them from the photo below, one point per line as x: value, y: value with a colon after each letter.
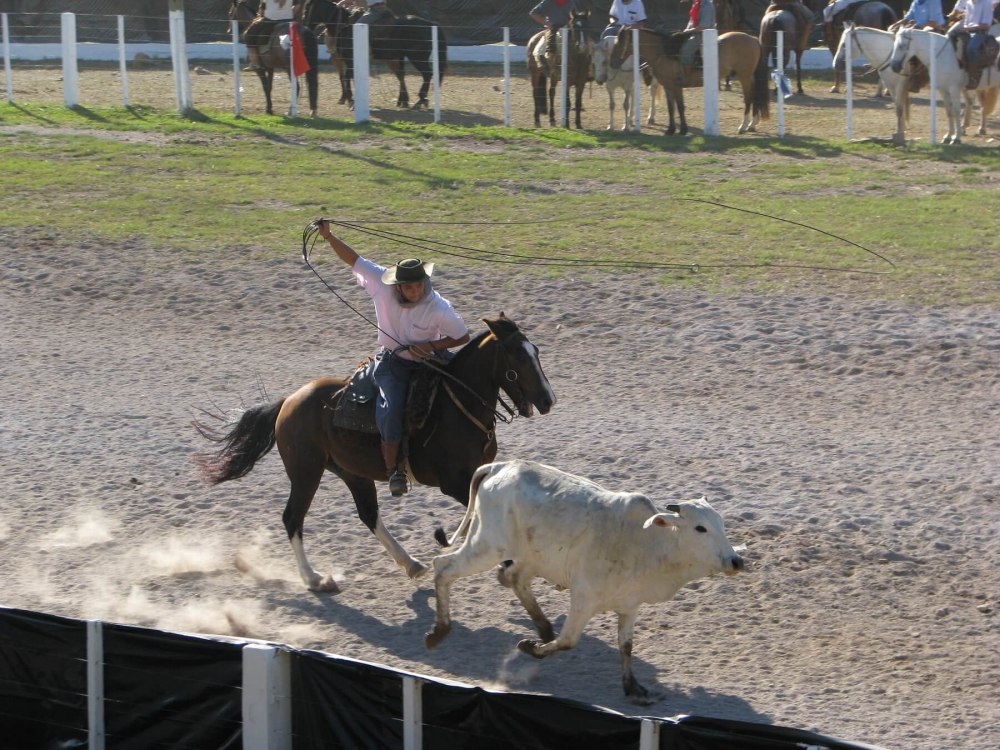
x: 43, y: 681
x: 700, y: 733
x: 470, y: 718
x: 165, y: 691
x: 339, y: 703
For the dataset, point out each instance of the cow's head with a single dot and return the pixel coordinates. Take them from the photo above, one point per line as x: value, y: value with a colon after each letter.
x: 699, y: 538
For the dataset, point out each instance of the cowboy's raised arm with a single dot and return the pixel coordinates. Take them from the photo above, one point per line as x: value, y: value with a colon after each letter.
x: 344, y: 251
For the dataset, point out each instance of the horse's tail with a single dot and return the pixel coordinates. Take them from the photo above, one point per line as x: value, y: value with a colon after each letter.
x: 442, y: 53
x: 463, y: 527
x: 760, y: 100
x: 250, y: 439
x: 768, y: 37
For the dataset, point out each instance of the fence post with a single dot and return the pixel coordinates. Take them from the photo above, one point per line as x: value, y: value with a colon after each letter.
x: 848, y: 79
x: 6, y: 59
x: 412, y: 714
x: 123, y: 71
x: 563, y: 76
x: 710, y: 79
x: 236, y: 65
x: 71, y: 83
x: 436, y: 72
x: 506, y: 76
x: 95, y: 685
x: 636, y: 86
x: 178, y: 55
x: 933, y: 91
x: 267, y: 698
x: 361, y: 73
x: 779, y: 63
x: 649, y: 735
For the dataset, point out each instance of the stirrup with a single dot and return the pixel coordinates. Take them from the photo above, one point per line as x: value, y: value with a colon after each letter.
x: 397, y: 484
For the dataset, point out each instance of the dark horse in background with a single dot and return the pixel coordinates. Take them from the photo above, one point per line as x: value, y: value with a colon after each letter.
x: 393, y: 40
x: 275, y: 58
x: 872, y: 14
x: 545, y: 69
x: 796, y: 19
x: 456, y: 439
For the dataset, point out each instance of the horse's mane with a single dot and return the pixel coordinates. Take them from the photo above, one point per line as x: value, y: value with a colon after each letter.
x: 466, y: 351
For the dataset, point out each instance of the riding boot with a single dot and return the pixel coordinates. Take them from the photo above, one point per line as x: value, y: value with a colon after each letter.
x: 975, y: 70
x: 253, y: 56
x: 397, y: 477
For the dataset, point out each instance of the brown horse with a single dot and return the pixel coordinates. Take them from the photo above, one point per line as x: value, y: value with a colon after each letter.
x: 796, y: 20
x: 872, y: 15
x: 456, y: 439
x: 739, y: 54
x: 545, y: 69
x: 274, y: 57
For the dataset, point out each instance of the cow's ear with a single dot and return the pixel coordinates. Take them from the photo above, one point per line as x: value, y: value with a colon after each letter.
x: 663, y: 520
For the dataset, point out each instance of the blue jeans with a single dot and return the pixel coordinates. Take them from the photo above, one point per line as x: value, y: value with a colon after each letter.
x: 392, y: 376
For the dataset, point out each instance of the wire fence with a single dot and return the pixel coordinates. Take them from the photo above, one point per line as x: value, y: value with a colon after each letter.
x: 475, y: 85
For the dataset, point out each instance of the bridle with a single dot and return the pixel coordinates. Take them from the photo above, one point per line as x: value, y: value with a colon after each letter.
x: 874, y: 68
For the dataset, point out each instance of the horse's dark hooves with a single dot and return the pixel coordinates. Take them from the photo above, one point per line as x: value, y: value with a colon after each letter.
x: 440, y: 537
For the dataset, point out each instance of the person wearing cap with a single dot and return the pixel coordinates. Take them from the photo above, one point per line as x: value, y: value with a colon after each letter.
x: 414, y: 322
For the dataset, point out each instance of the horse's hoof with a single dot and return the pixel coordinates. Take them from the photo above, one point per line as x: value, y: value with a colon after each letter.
x: 433, y: 637
x: 343, y: 100
x: 416, y: 570
x: 835, y: 89
x: 324, y: 585
x: 741, y: 131
x: 530, y: 647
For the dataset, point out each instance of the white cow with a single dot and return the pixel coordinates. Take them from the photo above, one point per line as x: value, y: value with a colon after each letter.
x: 612, y: 550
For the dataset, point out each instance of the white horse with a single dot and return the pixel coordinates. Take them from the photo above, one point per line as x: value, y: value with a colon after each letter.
x: 950, y: 77
x: 876, y: 46
x: 621, y: 78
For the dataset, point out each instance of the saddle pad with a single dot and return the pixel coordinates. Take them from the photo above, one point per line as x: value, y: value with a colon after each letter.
x: 355, y: 405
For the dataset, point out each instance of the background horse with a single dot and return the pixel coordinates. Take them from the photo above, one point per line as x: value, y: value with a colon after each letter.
x: 547, y: 74
x: 796, y: 39
x: 456, y: 439
x: 873, y: 15
x: 875, y: 46
x: 393, y: 41
x: 245, y: 11
x: 950, y: 76
x: 620, y: 79
x: 739, y: 54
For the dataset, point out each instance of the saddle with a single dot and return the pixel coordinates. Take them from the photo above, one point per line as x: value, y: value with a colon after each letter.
x: 354, y: 406
x: 983, y: 56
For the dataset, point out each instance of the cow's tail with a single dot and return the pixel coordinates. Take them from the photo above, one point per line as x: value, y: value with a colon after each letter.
x: 463, y: 527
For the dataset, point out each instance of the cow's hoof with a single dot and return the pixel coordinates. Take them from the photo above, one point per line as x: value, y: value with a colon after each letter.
x: 502, y: 576
x: 324, y: 584
x: 530, y: 647
x: 644, y: 697
x: 433, y: 637
x: 416, y: 569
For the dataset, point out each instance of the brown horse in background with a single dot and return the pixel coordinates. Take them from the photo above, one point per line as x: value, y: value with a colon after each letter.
x: 456, y: 439
x: 545, y: 75
x: 739, y: 54
x: 796, y: 20
x: 872, y: 15
x: 275, y: 58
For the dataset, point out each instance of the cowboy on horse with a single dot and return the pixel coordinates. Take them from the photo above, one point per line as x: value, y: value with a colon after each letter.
x: 258, y: 34
x: 414, y: 322
x: 553, y: 15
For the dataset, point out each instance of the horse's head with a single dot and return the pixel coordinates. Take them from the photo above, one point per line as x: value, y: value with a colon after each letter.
x: 900, y: 50
x: 622, y: 49
x: 579, y: 21
x: 244, y: 11
x: 600, y: 57
x: 521, y: 375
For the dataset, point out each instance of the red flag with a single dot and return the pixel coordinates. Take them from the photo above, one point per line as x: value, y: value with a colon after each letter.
x: 300, y: 65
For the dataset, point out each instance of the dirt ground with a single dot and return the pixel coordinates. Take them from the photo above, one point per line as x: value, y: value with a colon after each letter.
x: 473, y: 94
x: 851, y: 443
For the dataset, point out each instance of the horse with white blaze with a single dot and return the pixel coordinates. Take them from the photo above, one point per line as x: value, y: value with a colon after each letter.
x: 612, y: 550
